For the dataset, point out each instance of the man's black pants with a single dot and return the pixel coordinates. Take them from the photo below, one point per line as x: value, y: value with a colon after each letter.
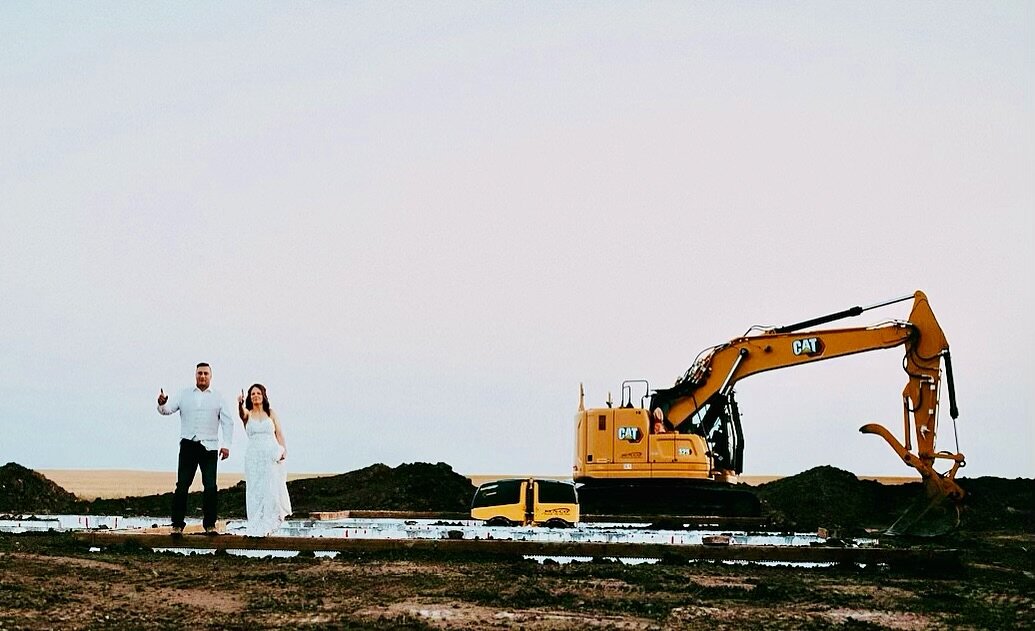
x: 192, y: 456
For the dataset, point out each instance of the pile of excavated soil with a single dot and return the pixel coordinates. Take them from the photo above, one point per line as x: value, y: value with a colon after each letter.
x: 415, y: 486
x: 833, y: 498
x: 411, y: 487
x: 998, y: 504
x: 23, y: 490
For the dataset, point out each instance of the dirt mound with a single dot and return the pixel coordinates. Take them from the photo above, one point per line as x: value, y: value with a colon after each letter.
x: 409, y: 487
x: 23, y: 490
x: 998, y: 504
x: 151, y: 505
x: 833, y: 498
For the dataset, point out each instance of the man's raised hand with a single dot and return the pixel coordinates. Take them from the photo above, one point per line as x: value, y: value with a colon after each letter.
x: 162, y: 397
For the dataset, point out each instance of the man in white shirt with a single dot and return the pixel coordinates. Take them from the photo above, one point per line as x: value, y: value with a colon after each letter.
x: 202, y: 413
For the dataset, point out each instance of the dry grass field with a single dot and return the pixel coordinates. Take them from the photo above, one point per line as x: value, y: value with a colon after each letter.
x: 90, y: 484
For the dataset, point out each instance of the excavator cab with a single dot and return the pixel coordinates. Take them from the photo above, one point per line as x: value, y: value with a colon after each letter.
x: 718, y: 422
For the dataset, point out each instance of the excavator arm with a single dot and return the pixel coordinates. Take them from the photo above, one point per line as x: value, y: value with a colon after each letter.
x: 690, y: 406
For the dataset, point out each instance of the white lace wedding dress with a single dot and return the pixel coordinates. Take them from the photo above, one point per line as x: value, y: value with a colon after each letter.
x: 266, y: 495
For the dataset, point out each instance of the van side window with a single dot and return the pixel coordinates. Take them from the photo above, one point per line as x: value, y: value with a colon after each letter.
x: 553, y: 492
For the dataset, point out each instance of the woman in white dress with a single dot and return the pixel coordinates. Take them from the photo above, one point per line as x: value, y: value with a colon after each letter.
x: 266, y: 495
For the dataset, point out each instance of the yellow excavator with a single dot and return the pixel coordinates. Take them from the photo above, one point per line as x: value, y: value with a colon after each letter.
x: 681, y: 453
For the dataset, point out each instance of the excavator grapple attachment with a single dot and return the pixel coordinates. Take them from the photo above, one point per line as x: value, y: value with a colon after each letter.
x: 937, y: 511
x: 932, y: 515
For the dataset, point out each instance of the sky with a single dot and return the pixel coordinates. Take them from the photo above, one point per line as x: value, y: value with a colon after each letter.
x: 423, y: 225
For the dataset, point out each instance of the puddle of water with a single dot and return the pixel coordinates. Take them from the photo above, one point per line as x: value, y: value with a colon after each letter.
x: 563, y: 560
x: 390, y: 529
x: 255, y: 554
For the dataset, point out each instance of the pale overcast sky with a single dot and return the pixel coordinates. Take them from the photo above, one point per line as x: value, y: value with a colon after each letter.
x: 422, y: 225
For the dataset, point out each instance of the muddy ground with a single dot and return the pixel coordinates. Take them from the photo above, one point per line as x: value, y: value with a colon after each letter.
x: 50, y: 581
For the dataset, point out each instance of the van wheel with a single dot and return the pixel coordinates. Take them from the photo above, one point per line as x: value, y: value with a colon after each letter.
x: 499, y: 521
x: 557, y: 523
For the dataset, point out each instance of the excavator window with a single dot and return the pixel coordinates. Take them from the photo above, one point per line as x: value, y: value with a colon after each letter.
x: 712, y: 422
x: 697, y: 421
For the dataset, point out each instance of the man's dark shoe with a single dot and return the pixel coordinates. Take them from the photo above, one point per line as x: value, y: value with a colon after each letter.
x: 177, y: 532
x: 211, y: 532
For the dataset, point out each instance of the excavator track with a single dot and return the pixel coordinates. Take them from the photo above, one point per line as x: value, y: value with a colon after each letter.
x: 668, y: 497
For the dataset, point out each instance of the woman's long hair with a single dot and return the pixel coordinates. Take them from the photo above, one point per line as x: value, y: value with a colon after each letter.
x: 265, y: 399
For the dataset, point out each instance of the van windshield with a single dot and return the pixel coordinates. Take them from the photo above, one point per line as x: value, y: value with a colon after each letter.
x: 497, y: 493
